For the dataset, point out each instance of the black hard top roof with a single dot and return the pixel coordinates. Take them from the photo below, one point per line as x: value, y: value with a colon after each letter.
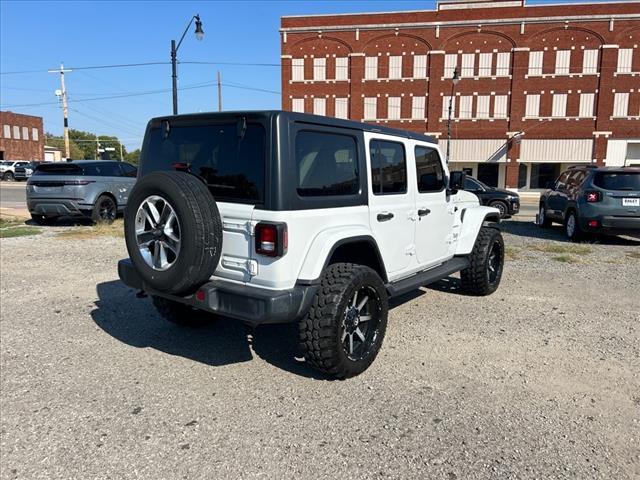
x: 303, y: 118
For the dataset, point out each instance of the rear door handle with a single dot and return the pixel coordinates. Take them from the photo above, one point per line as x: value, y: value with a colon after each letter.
x: 423, y: 212
x: 383, y: 217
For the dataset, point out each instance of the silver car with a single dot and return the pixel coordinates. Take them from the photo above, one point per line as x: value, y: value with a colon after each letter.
x: 96, y: 189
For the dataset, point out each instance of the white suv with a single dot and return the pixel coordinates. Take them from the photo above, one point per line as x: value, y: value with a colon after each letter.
x: 272, y: 217
x: 8, y: 169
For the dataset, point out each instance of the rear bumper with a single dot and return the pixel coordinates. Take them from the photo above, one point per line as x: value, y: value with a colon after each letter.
x: 252, y: 305
x: 56, y: 207
x: 611, y: 224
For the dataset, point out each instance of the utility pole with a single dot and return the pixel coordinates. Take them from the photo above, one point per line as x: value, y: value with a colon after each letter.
x: 97, y: 148
x: 219, y: 93
x: 121, y: 157
x: 65, y: 108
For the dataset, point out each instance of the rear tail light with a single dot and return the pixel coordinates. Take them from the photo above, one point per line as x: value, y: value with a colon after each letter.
x: 592, y: 223
x: 272, y: 239
x: 592, y: 197
x: 78, y: 182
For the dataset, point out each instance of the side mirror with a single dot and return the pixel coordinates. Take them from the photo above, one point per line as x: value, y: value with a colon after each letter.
x: 456, y: 182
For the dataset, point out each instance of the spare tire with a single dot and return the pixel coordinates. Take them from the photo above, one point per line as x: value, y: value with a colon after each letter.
x: 173, y: 231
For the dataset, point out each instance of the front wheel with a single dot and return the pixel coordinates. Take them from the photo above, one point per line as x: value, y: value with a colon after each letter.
x: 483, y: 275
x: 343, y: 331
x: 105, y: 210
x: 501, y: 206
x: 572, y: 227
x: 9, y: 176
x: 543, y: 220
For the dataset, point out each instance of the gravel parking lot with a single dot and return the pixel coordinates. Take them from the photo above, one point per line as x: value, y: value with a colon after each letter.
x: 539, y: 380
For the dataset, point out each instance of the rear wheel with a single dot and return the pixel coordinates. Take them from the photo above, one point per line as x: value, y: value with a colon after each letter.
x: 483, y: 275
x: 9, y: 176
x: 572, y: 227
x: 105, y: 210
x: 43, y: 220
x: 345, y: 326
x: 181, y: 314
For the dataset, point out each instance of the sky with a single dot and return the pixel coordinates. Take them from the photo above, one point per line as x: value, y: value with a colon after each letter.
x: 37, y: 36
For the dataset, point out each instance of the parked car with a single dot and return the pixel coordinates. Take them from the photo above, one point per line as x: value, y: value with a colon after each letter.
x: 586, y: 199
x: 95, y: 189
x: 7, y: 169
x: 301, y: 218
x: 506, y: 201
x: 23, y: 172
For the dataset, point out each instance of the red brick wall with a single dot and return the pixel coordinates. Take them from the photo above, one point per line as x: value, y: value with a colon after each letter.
x: 14, y: 149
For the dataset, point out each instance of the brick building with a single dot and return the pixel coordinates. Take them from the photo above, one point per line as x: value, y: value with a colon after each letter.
x: 21, y: 137
x: 542, y: 87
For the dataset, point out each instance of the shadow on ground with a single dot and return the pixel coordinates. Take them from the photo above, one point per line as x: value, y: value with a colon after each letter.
x: 529, y: 229
x: 225, y: 341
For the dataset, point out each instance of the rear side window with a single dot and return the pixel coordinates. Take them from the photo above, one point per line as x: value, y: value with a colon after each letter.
x: 102, y: 170
x: 128, y: 170
x: 429, y: 169
x: 388, y: 167
x: 327, y: 164
x: 230, y: 159
x: 617, y: 180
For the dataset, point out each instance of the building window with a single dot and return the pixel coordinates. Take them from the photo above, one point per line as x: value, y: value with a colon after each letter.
x: 388, y: 167
x: 6, y: 131
x: 297, y: 105
x: 559, y: 107
x: 320, y: 106
x: 34, y: 134
x: 533, y: 106
x: 342, y: 68
x: 482, y: 106
x: 625, y: 60
x: 502, y: 64
x: 319, y: 68
x: 395, y: 67
x: 563, y: 61
x: 522, y: 175
x: 450, y: 63
x: 297, y: 69
x: 371, y: 68
x: 342, y: 108
x: 393, y: 108
x: 25, y: 133
x: 420, y: 66
x: 535, y: 63
x: 468, y: 60
x: 466, y: 106
x: 590, y: 61
x: 621, y: 105
x: 417, y: 108
x: 445, y: 106
x: 500, y: 106
x: 16, y: 132
x: 370, y: 108
x: 484, y: 68
x: 586, y: 104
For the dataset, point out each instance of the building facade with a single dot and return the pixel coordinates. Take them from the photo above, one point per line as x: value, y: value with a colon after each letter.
x: 541, y: 87
x: 21, y: 137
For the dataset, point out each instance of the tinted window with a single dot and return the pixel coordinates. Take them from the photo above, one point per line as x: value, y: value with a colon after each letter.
x: 101, y: 169
x: 327, y: 164
x: 471, y: 185
x: 58, y: 169
x: 429, y: 170
x: 617, y: 180
x: 388, y: 167
x: 232, y: 164
x: 128, y: 170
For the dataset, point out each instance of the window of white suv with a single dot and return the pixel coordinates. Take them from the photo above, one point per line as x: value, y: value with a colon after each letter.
x: 388, y: 167
x: 429, y: 169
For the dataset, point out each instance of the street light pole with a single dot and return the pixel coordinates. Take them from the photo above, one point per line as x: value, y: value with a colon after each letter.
x: 454, y: 82
x: 174, y: 57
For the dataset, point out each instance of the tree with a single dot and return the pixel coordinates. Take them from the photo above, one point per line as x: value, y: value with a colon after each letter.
x: 133, y: 157
x: 85, y: 145
x: 58, y: 142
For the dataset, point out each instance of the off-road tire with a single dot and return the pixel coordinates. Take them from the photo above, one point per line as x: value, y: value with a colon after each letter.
x: 105, y: 210
x: 43, y: 220
x: 577, y: 233
x: 181, y: 314
x: 477, y: 278
x: 200, y: 231
x: 322, y: 328
x: 501, y: 206
x: 543, y: 220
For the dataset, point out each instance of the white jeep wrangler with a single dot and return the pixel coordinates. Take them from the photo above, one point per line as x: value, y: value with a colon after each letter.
x: 273, y: 216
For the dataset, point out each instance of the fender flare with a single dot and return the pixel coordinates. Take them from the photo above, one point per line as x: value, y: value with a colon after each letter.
x: 473, y: 219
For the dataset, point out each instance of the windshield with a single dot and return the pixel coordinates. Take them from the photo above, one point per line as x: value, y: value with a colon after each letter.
x: 230, y: 159
x: 617, y: 180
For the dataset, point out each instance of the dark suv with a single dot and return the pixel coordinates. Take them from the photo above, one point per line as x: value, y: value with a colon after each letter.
x: 506, y: 201
x: 587, y: 199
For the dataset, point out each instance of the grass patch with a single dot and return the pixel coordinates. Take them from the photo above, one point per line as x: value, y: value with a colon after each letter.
x: 633, y: 254
x: 561, y: 248
x: 566, y: 259
x: 15, y: 227
x: 512, y: 253
x: 116, y: 229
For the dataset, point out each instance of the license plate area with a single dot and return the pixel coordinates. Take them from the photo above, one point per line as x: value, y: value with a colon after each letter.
x: 631, y: 202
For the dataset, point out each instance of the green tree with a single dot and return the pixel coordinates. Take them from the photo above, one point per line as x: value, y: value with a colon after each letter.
x: 58, y: 142
x: 133, y: 157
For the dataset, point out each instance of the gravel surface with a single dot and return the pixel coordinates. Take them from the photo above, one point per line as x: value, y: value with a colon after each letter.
x: 539, y: 380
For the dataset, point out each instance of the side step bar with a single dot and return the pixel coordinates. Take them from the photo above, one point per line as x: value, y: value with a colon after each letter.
x: 427, y: 277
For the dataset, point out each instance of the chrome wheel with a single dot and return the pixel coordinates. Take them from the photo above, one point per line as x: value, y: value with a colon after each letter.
x: 360, y: 324
x: 571, y: 225
x: 157, y: 233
